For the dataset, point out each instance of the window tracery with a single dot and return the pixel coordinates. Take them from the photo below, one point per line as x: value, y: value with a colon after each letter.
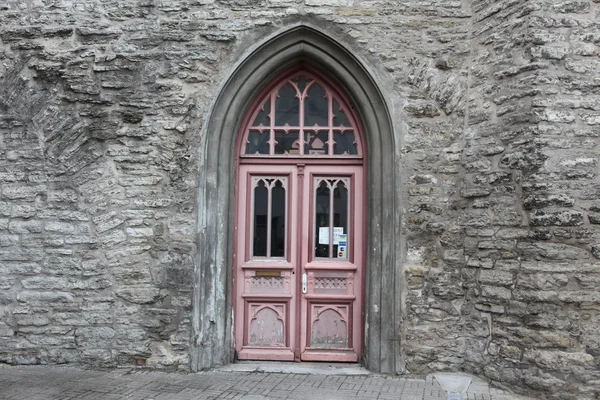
x: 301, y: 116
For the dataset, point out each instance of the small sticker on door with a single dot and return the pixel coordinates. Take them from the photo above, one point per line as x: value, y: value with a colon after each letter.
x: 343, y: 246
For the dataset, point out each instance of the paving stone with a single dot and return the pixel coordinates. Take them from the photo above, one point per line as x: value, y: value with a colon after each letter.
x: 70, y: 383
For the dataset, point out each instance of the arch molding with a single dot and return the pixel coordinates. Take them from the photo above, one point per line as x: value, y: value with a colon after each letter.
x: 212, y: 342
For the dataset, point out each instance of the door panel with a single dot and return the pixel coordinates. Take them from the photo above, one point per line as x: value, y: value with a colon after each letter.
x: 331, y: 309
x: 299, y: 263
x: 266, y: 259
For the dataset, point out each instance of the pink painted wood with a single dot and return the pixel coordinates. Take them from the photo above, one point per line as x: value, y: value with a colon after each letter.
x: 265, y: 107
x: 273, y: 318
x: 334, y: 283
x: 264, y: 282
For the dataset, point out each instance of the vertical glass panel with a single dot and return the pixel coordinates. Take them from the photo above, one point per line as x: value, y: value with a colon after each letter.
x: 344, y: 143
x: 339, y: 117
x: 260, y: 220
x: 287, y: 142
x: 258, y: 142
x: 340, y: 212
x: 262, y: 118
x: 322, y: 220
x: 287, y: 107
x: 278, y: 220
x: 316, y: 110
x: 315, y: 143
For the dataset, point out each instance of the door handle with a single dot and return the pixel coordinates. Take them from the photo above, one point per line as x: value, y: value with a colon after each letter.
x: 304, y: 283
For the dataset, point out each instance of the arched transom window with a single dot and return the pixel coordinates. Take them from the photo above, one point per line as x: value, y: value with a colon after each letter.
x: 301, y: 115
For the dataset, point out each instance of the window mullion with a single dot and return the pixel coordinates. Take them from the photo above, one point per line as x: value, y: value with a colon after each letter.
x: 330, y: 122
x: 331, y: 212
x: 272, y: 125
x: 301, y: 123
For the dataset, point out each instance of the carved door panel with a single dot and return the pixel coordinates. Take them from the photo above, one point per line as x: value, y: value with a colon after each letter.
x: 298, y: 263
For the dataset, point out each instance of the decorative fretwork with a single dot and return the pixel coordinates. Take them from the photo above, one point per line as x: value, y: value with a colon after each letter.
x: 331, y: 283
x: 302, y: 116
x: 262, y: 282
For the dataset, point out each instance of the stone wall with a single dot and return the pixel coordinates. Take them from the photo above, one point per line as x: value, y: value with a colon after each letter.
x: 99, y: 123
x: 102, y: 111
x: 537, y: 269
x: 508, y: 282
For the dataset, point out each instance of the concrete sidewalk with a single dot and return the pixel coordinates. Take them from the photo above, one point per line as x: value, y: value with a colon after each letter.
x: 238, y: 381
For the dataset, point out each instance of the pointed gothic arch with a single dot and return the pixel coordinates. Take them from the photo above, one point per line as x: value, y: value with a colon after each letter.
x: 212, y: 343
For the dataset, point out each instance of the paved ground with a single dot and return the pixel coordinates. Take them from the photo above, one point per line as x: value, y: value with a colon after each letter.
x: 43, y: 382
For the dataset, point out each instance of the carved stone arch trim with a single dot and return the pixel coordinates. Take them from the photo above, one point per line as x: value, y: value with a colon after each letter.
x: 212, y: 342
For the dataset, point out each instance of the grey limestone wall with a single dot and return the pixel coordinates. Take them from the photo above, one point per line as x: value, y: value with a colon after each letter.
x: 496, y: 106
x: 503, y: 256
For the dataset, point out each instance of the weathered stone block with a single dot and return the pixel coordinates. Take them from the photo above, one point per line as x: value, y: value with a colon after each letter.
x: 80, y: 239
x: 552, y: 251
x: 22, y: 192
x: 35, y: 297
x: 139, y: 295
x: 32, y: 320
x: 556, y: 218
x: 558, y: 359
x: 62, y: 196
x: 496, y: 293
x: 493, y: 277
x: 573, y: 6
x: 25, y: 226
x: 475, y: 192
x: 580, y: 296
x: 542, y: 281
x: 42, y: 282
x: 140, y: 231
x: 422, y: 110
x: 95, y: 333
x: 537, y: 201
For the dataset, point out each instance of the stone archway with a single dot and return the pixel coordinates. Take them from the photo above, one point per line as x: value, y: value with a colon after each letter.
x: 212, y: 324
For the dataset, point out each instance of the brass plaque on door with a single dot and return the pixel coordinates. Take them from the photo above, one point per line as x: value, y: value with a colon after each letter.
x: 268, y: 273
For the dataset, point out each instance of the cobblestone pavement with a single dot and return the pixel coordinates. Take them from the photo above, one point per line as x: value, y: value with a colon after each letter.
x: 45, y: 382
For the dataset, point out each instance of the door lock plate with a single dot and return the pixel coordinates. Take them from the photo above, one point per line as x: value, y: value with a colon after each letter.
x: 304, y: 283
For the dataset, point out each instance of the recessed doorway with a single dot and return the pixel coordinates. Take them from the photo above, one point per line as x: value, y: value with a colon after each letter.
x: 300, y: 224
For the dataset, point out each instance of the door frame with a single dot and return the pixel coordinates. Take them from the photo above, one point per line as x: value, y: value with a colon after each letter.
x: 370, y: 87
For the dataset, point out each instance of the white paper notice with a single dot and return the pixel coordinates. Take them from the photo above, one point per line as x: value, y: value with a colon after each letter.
x: 337, y: 231
x: 324, y: 234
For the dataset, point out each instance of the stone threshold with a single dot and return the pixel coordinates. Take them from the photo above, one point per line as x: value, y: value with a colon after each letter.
x: 312, y: 368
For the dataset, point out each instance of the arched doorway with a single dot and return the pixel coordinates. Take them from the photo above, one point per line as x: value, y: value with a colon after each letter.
x: 300, y: 217
x: 213, y: 343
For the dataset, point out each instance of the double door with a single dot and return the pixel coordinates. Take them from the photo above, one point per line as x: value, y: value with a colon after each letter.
x: 299, y: 263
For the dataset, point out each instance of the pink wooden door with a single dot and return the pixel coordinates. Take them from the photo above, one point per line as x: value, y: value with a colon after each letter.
x: 299, y: 251
x: 299, y: 258
x: 266, y: 314
x: 331, y: 245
